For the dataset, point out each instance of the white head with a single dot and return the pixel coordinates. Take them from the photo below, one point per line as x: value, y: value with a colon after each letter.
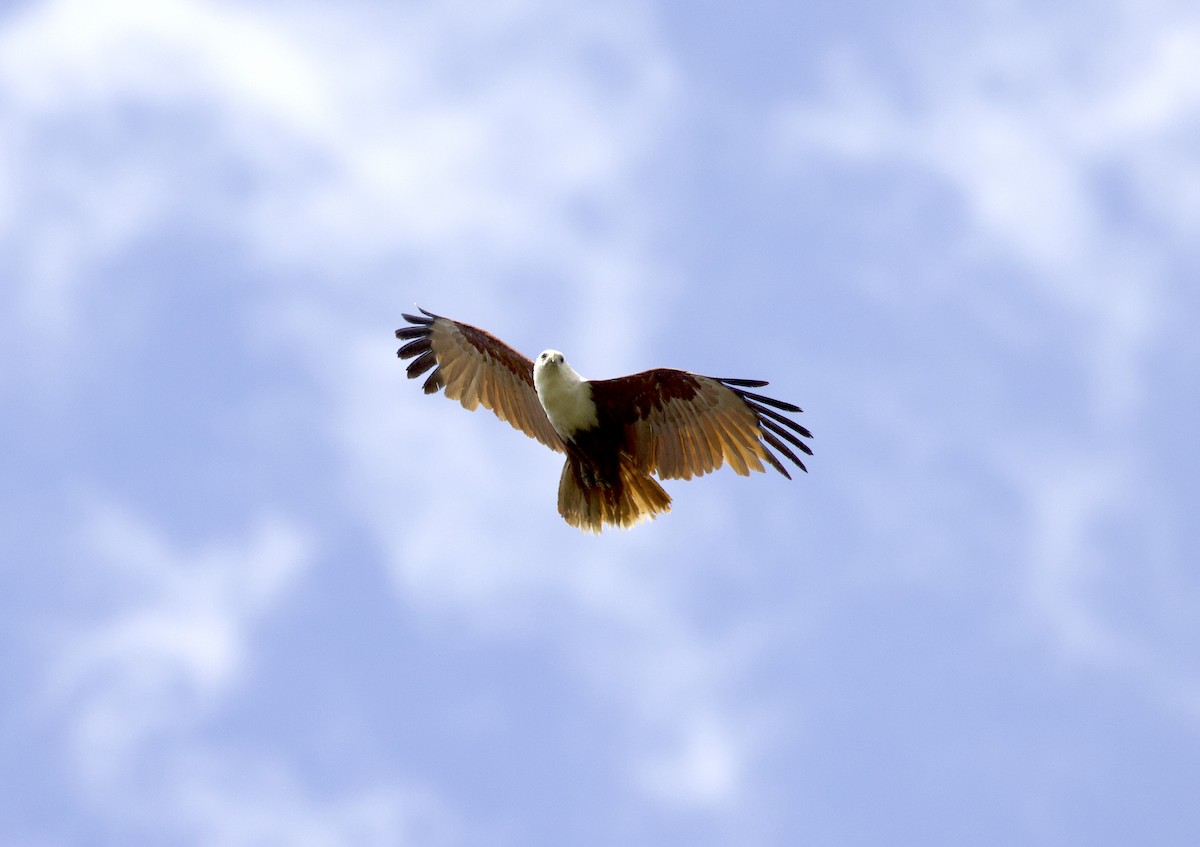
x: 551, y: 366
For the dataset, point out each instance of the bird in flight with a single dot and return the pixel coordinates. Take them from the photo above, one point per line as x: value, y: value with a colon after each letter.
x: 616, y: 433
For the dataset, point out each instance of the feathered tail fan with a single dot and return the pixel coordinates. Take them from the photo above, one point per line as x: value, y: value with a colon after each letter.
x: 590, y: 505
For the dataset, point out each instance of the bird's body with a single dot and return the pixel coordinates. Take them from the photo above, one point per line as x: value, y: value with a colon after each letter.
x: 616, y: 433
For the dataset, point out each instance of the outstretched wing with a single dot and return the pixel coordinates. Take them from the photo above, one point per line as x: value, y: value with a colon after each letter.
x: 679, y: 424
x: 476, y: 368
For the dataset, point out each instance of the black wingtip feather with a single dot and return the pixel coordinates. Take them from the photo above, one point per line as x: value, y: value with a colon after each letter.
x: 786, y: 434
x: 412, y: 348
x: 770, y: 401
x: 784, y: 449
x: 744, y: 383
x: 434, y: 382
x: 421, y: 364
x: 786, y: 421
x: 775, y: 463
x: 419, y: 342
x: 772, y: 423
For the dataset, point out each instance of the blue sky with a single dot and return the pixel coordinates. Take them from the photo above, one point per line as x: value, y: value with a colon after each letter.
x: 259, y: 589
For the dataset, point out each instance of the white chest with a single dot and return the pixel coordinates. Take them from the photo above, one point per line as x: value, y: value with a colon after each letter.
x: 567, y: 400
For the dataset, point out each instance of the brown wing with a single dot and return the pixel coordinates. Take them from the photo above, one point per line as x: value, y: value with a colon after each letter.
x: 679, y: 424
x: 476, y: 368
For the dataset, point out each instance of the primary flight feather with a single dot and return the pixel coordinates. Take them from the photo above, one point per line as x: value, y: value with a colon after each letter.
x: 616, y: 433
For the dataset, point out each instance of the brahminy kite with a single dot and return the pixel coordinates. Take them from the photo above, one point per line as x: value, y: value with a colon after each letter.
x: 615, y: 432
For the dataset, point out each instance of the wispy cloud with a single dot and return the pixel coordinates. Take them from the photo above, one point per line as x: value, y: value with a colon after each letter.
x: 158, y: 658
x: 1023, y: 132
x: 223, y: 798
x: 504, y: 163
x: 138, y: 686
x: 500, y: 157
x: 1067, y: 154
x: 331, y: 144
x: 1107, y: 577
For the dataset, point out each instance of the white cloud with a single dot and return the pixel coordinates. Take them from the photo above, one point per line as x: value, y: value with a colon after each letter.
x: 702, y: 770
x: 1026, y: 119
x: 176, y: 638
x: 138, y: 687
x: 229, y: 800
x: 1112, y: 602
x: 1022, y: 141
x: 1069, y: 142
x: 461, y: 146
x: 506, y: 159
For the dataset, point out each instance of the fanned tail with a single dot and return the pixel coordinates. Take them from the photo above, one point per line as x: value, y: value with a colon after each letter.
x: 588, y: 503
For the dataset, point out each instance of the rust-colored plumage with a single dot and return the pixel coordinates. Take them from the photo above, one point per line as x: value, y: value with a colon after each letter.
x: 662, y: 422
x: 476, y: 368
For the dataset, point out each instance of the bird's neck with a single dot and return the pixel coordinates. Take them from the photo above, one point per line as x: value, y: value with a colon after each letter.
x: 566, y: 397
